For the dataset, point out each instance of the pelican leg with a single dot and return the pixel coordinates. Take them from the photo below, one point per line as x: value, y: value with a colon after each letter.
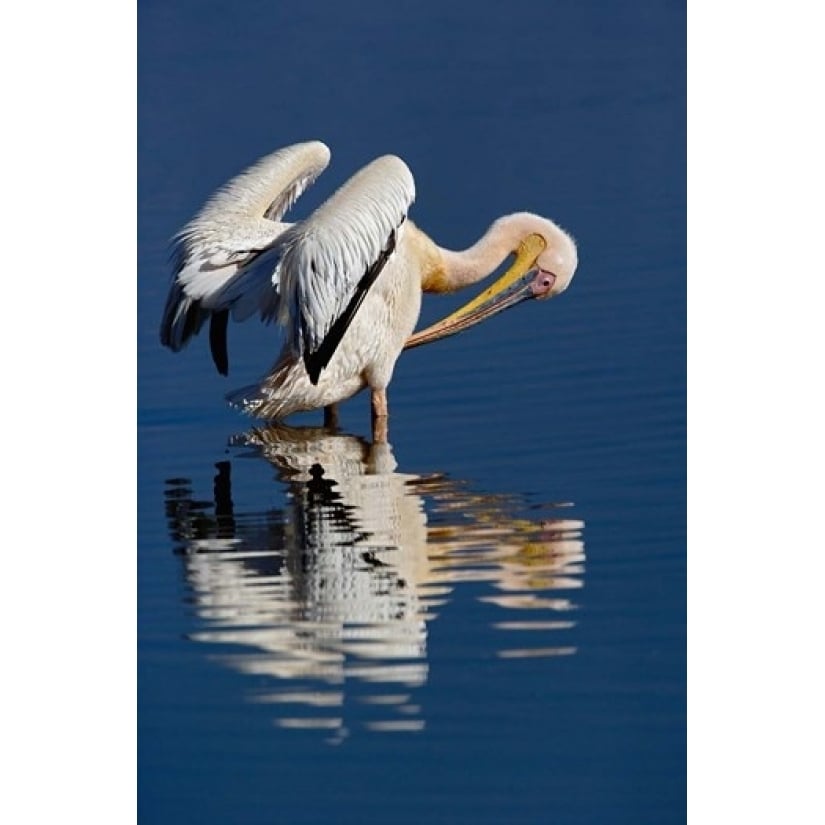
x: 380, y: 416
x: 331, y: 417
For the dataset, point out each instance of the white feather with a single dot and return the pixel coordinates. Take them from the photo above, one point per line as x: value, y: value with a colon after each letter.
x: 237, y: 223
x: 324, y: 257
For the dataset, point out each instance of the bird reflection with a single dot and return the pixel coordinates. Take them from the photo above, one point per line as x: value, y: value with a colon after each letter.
x: 327, y: 599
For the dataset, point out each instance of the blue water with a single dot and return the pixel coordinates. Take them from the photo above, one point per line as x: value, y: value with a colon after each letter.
x: 483, y: 621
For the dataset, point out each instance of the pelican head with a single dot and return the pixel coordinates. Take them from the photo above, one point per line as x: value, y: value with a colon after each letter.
x: 545, y: 262
x: 557, y: 262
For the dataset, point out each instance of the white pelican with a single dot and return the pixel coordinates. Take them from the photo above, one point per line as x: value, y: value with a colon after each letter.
x: 345, y: 283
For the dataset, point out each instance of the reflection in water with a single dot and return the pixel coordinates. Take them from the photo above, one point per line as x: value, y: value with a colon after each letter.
x: 329, y: 598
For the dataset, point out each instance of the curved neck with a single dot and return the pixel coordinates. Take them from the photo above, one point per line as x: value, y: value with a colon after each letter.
x: 481, y: 259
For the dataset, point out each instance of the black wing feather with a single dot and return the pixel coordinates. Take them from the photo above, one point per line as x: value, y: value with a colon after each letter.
x: 317, y: 360
x: 217, y: 340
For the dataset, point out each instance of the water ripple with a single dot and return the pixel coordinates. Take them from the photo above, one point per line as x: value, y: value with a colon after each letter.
x: 329, y: 598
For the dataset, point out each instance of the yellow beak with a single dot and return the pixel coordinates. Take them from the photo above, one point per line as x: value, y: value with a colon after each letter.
x: 507, y: 291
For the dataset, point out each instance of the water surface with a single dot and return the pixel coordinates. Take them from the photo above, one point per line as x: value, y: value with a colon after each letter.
x: 483, y: 621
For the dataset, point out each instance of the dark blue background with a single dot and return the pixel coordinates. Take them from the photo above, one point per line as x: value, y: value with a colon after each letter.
x: 575, y: 110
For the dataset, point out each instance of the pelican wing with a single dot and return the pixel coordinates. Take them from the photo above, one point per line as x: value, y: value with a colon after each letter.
x: 329, y: 261
x: 211, y: 255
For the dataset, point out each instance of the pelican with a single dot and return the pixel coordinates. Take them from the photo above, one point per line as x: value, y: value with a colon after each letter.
x: 345, y: 283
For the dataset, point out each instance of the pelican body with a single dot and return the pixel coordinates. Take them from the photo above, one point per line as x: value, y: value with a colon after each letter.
x: 345, y: 283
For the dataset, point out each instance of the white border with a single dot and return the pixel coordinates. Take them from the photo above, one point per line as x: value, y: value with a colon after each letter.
x: 755, y: 386
x: 69, y: 341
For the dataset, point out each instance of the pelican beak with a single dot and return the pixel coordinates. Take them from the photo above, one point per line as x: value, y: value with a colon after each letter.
x: 517, y: 284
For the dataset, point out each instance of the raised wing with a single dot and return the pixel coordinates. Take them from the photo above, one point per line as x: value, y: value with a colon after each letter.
x: 236, y: 227
x: 329, y: 261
